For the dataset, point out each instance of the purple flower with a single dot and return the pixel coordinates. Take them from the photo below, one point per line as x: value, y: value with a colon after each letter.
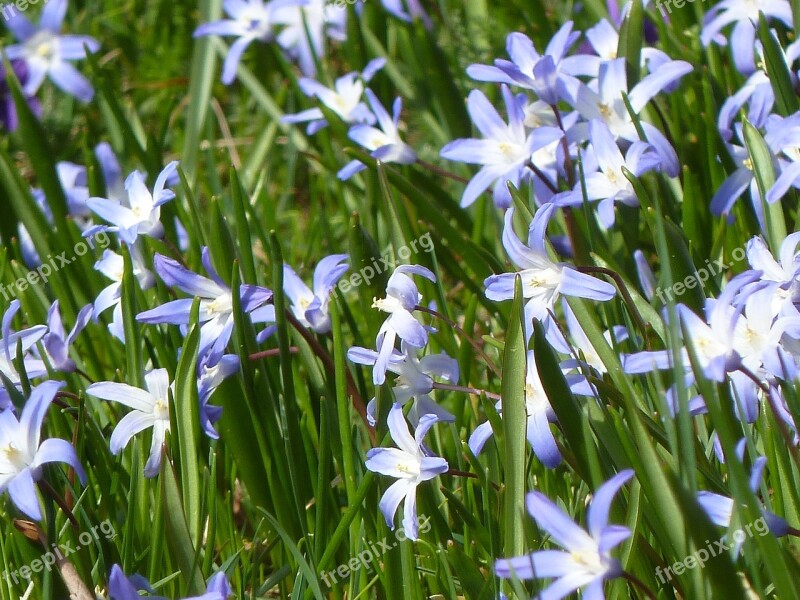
x: 585, y: 561
x: 409, y: 464
x: 781, y: 276
x: 216, y: 302
x: 141, y: 215
x: 384, y: 144
x: 534, y: 71
x: 344, y: 99
x: 786, y: 138
x: 121, y: 587
x: 46, y: 52
x: 505, y: 150
x: 543, y: 280
x: 757, y: 92
x: 8, y: 110
x: 22, y: 453
x: 150, y: 409
x: 582, y: 347
x: 209, y: 378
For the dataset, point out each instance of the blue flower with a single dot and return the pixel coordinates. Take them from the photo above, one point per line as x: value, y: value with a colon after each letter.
x: 344, y: 99
x: 306, y: 24
x: 744, y: 13
x: 757, y: 92
x: 397, y: 8
x: 22, y: 453
x: 414, y: 380
x: 209, y: 378
x: 609, y: 184
x: 505, y: 151
x: 142, y: 214
x: 585, y: 561
x: 310, y: 307
x: 786, y: 139
x: 540, y: 73
x: 8, y: 352
x: 250, y: 20
x: 216, y: 303
x: 46, y: 52
x: 384, y: 144
x: 539, y: 414
x: 150, y: 409
x: 121, y: 587
x: 8, y: 110
x: 57, y: 342
x: 402, y: 297
x: 781, y: 276
x: 112, y: 265
x: 409, y: 464
x: 720, y: 508
x: 604, y: 101
x: 543, y: 280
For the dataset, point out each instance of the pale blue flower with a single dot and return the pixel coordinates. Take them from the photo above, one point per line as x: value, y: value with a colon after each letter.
x: 505, y: 150
x: 150, y: 409
x: 585, y: 561
x: 47, y: 53
x: 22, y: 453
x: 409, y: 464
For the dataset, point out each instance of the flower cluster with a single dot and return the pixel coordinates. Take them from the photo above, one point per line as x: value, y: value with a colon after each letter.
x: 573, y: 141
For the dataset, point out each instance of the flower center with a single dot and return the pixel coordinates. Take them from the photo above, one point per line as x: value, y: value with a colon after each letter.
x: 588, y: 559
x: 408, y: 468
x: 161, y: 409
x: 387, y: 304
x: 508, y: 150
x: 14, y: 456
x: 42, y: 45
x: 223, y: 304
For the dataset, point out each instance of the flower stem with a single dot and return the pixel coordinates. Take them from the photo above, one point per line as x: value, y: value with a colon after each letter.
x: 639, y: 584
x: 466, y: 390
x: 472, y: 342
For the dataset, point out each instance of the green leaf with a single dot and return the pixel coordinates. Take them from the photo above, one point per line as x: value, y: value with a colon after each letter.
x: 179, y: 540
x: 630, y: 41
x: 761, y: 159
x: 512, y: 391
x: 187, y: 423
x: 780, y: 76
